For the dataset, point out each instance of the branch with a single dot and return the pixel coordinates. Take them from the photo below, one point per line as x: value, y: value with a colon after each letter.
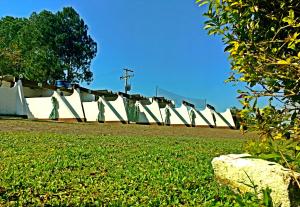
x: 293, y: 172
x: 281, y: 28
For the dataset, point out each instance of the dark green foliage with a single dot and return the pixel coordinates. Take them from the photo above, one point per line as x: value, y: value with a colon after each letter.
x: 10, y: 53
x: 47, y: 46
x: 37, y: 41
x: 76, y: 48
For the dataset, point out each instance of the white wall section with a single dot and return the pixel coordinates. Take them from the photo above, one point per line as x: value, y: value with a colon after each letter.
x: 69, y: 107
x: 91, y: 110
x: 224, y: 119
x: 203, y: 118
x: 149, y: 113
x: 177, y: 116
x: 114, y: 111
x: 12, y: 101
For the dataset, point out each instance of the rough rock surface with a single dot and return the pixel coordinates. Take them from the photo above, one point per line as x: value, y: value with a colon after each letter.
x: 240, y: 172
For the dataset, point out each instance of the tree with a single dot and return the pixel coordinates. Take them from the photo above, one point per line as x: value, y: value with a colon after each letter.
x: 76, y: 48
x: 39, y: 49
x: 262, y: 38
x: 10, y: 53
x: 47, y: 46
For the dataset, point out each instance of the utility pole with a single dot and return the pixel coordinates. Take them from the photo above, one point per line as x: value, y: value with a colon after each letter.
x: 127, y: 75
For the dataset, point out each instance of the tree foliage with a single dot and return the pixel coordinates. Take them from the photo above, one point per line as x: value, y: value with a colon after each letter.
x: 10, y: 53
x: 262, y: 38
x: 47, y: 46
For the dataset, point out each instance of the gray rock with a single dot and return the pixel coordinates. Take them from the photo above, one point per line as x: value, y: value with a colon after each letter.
x: 240, y: 172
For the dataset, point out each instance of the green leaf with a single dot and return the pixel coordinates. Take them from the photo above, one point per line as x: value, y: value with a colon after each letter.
x: 202, y: 2
x: 227, y: 48
x: 288, y: 20
x: 291, y: 14
x: 207, y: 26
x: 282, y: 62
x: 270, y: 156
x: 267, y: 197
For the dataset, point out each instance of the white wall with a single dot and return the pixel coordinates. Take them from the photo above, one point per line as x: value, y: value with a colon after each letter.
x: 69, y: 107
x: 12, y: 101
x: 149, y: 114
x: 74, y: 104
x: 224, y: 119
x: 179, y: 116
x: 91, y: 110
x: 115, y: 110
x: 204, y: 118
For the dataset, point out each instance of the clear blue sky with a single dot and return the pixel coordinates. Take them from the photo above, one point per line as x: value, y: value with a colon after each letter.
x: 163, y: 41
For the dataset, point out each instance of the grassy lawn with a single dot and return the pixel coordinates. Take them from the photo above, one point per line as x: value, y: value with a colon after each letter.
x: 59, y: 164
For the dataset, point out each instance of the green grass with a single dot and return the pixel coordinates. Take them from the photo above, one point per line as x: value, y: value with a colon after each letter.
x: 51, y: 169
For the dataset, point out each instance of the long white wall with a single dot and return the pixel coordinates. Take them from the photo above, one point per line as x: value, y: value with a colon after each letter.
x: 83, y: 106
x: 115, y: 111
x: 203, y: 118
x: 150, y: 113
x: 178, y: 116
x: 69, y: 107
x: 12, y: 101
x: 224, y: 119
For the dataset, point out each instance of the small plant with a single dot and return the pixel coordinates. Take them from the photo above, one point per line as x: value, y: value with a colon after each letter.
x: 253, y: 199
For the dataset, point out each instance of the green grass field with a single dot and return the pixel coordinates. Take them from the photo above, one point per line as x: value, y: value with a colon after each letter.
x: 58, y: 164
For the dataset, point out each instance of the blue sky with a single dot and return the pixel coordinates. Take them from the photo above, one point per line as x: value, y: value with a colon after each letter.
x: 163, y: 41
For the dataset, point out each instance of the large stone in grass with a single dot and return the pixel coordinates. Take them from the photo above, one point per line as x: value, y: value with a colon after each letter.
x: 240, y: 172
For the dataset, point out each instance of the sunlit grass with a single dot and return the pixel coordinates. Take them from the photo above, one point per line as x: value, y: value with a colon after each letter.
x: 40, y: 168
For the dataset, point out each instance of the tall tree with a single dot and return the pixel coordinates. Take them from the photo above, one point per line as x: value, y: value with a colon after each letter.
x: 47, y: 46
x: 39, y: 50
x: 76, y: 48
x: 262, y: 38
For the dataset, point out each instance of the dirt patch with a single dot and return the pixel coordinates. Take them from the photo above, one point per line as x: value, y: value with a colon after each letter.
x: 119, y: 129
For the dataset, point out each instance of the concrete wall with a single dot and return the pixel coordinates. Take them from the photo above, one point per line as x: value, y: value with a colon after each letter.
x: 81, y: 106
x: 91, y: 110
x: 178, y: 116
x: 74, y: 104
x: 12, y: 101
x: 224, y: 120
x: 114, y: 111
x: 37, y: 92
x: 87, y: 97
x: 203, y: 118
x: 69, y: 107
x: 149, y: 113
